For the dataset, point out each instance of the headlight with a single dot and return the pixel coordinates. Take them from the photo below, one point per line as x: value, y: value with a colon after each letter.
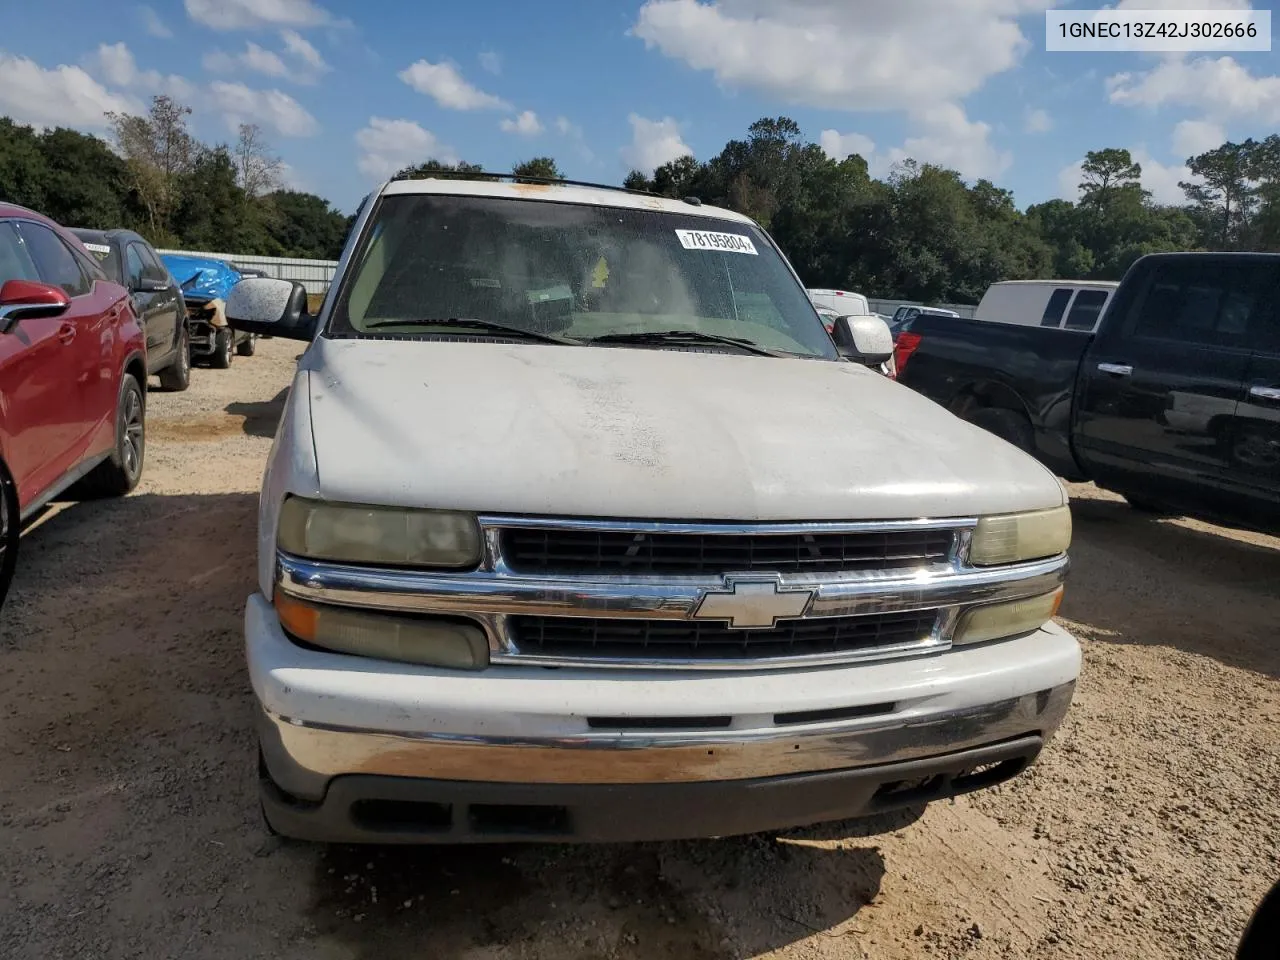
x: 1021, y: 536
x: 391, y: 536
x: 997, y: 620
x: 431, y: 641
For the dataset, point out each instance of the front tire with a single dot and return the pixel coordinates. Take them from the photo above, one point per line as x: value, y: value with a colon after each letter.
x: 120, y: 472
x: 222, y: 349
x: 10, y: 529
x: 1009, y: 425
x: 177, y: 376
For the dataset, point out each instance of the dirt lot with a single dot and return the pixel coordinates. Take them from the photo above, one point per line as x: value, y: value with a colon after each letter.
x: 128, y: 825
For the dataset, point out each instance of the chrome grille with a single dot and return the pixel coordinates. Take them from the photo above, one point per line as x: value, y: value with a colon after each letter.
x: 612, y: 638
x: 568, y: 552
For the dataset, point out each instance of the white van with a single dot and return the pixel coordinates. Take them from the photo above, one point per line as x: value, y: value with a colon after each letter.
x: 1064, y: 304
x: 844, y: 303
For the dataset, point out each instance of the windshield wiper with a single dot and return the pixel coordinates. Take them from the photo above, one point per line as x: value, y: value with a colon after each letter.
x: 685, y: 336
x: 471, y: 323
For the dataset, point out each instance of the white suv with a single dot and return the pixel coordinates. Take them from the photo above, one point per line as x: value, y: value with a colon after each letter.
x: 553, y: 548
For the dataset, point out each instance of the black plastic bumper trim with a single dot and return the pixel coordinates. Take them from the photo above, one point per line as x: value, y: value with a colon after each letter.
x: 361, y: 808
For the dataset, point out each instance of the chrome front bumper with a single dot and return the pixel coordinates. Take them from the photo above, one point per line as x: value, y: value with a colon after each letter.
x: 302, y: 756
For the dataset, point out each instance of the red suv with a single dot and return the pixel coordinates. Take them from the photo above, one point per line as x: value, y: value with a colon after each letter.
x: 73, y: 373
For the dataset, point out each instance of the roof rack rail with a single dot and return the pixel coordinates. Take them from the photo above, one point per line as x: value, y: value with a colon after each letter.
x: 521, y: 178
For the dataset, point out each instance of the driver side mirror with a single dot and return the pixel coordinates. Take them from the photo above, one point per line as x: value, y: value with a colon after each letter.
x: 271, y: 308
x: 24, y: 299
x: 863, y: 339
x: 150, y: 285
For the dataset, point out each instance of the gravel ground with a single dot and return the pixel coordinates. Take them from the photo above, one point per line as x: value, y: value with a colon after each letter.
x: 128, y: 824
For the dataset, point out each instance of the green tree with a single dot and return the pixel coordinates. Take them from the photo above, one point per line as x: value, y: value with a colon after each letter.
x: 539, y: 168
x: 86, y: 185
x: 23, y: 173
x: 1106, y: 171
x: 305, y: 225
x: 429, y: 168
x: 214, y: 213
x: 1227, y: 195
x: 159, y: 152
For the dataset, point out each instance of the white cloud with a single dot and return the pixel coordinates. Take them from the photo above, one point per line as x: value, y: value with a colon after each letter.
x: 526, y: 124
x: 290, y: 179
x: 1182, y: 5
x: 444, y: 84
x: 944, y: 136
x: 263, y: 61
x: 297, y: 45
x: 1039, y: 121
x: 490, y: 61
x: 269, y: 63
x: 1221, y: 87
x: 152, y: 23
x: 838, y: 145
x: 844, y: 54
x: 273, y: 110
x: 219, y: 61
x: 1160, y: 179
x: 389, y: 145
x: 653, y: 143
x: 950, y: 139
x: 115, y: 63
x: 1069, y: 181
x: 567, y: 128
x: 1194, y: 137
x: 62, y: 96
x: 250, y: 14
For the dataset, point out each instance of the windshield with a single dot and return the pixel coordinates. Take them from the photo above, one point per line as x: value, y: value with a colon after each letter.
x: 572, y: 270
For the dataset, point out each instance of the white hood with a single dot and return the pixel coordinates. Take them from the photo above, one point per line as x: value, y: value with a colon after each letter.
x: 638, y: 433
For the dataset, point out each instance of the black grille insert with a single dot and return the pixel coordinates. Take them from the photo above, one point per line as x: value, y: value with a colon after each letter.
x: 590, y: 637
x: 578, y: 552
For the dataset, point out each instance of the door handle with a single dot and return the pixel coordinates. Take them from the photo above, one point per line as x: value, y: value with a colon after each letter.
x: 67, y: 332
x: 1265, y: 393
x: 1116, y: 369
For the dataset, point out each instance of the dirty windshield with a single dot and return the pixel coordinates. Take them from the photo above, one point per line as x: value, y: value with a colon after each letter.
x: 572, y: 270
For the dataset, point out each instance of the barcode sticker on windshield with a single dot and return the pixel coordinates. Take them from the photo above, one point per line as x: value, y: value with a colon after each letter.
x: 97, y: 248
x: 724, y: 242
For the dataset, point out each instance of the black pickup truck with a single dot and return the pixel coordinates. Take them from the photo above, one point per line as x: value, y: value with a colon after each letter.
x: 1174, y: 402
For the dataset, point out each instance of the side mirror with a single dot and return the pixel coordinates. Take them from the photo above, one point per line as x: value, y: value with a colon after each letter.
x: 150, y: 285
x: 863, y: 339
x: 272, y: 308
x: 23, y: 299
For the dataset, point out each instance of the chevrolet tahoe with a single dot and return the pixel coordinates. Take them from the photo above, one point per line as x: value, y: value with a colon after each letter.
x: 552, y: 546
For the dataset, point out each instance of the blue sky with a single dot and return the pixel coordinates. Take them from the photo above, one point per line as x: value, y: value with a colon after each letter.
x: 347, y: 92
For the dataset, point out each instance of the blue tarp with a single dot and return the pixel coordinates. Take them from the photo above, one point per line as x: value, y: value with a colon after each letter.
x: 201, y: 279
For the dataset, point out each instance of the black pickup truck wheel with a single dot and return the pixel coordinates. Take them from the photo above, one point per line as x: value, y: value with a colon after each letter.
x: 1008, y: 425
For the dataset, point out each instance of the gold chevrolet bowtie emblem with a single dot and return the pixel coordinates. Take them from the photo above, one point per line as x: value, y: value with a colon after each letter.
x: 752, y: 604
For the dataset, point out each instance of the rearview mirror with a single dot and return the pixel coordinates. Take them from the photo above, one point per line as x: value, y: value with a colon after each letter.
x: 863, y: 339
x: 150, y: 285
x: 23, y: 299
x: 273, y: 308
